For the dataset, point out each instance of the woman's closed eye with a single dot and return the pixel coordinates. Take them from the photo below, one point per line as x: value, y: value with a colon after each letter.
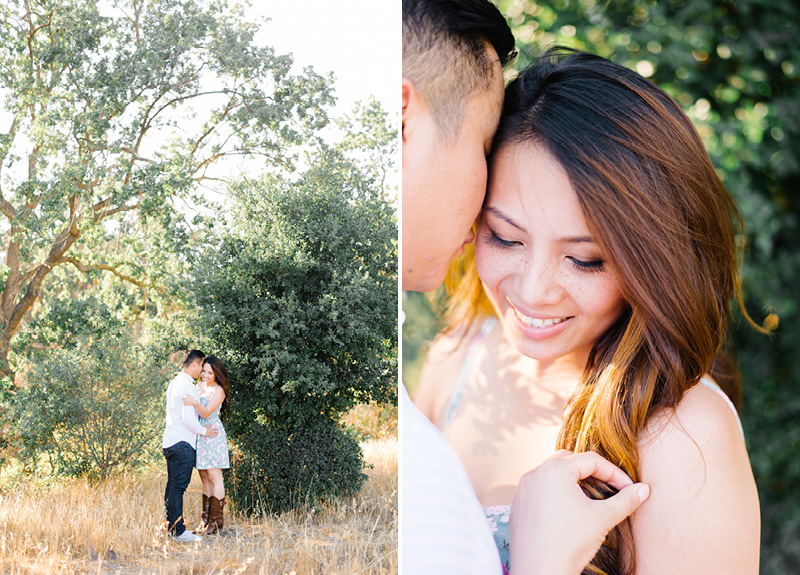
x: 493, y: 239
x: 589, y: 266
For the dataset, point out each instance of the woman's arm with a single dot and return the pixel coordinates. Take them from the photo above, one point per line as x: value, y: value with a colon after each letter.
x: 217, y: 397
x: 702, y: 517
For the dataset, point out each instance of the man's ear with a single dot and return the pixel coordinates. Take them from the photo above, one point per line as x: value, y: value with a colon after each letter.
x: 411, y: 104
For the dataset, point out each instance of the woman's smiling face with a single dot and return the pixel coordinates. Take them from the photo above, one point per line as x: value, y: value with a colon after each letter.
x: 547, y: 279
x: 207, y: 373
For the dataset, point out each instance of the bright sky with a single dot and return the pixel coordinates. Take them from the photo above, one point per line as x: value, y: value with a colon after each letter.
x: 358, y: 40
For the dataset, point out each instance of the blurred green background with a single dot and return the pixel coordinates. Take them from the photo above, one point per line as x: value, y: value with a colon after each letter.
x: 734, y: 66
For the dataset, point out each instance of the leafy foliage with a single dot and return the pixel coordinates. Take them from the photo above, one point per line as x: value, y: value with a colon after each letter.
x: 93, y: 409
x: 117, y: 112
x: 419, y: 328
x: 299, y: 294
x: 274, y: 470
x: 370, y: 136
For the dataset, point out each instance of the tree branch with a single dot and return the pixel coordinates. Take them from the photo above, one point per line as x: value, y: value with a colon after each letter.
x: 99, y: 215
x: 234, y: 152
x: 228, y: 108
x: 13, y: 317
x: 101, y: 267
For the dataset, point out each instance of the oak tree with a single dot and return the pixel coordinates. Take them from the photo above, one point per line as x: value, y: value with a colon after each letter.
x: 114, y: 115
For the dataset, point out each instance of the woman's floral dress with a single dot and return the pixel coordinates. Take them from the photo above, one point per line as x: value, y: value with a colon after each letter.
x: 498, y: 517
x: 212, y: 452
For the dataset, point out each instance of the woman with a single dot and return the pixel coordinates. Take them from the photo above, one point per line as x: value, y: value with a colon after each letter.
x: 595, y: 301
x: 212, y: 453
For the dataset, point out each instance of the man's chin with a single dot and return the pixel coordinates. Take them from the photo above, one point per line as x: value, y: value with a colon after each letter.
x: 425, y: 281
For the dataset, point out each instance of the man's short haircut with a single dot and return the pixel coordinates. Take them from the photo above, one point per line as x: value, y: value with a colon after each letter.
x: 193, y: 356
x: 445, y: 55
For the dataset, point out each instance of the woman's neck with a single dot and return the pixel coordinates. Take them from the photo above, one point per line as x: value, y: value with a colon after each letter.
x: 560, y: 375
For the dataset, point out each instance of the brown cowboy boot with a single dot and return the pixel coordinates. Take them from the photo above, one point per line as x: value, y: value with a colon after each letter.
x: 216, y: 519
x: 221, y: 515
x: 204, y: 515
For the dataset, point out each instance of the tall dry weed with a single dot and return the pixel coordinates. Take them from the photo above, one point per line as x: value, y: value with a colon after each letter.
x: 118, y: 527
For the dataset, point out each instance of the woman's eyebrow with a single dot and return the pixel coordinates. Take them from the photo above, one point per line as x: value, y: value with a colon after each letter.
x: 565, y: 240
x: 498, y: 214
x: 577, y: 240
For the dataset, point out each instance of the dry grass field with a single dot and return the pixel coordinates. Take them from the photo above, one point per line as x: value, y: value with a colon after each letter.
x: 118, y: 527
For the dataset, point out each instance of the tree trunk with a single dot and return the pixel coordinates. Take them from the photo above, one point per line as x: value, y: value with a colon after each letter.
x: 13, y: 308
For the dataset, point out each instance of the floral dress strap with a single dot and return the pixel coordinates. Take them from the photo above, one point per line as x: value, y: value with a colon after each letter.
x: 446, y: 417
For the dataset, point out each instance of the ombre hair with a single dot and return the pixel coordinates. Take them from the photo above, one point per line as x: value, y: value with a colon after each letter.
x: 668, y: 229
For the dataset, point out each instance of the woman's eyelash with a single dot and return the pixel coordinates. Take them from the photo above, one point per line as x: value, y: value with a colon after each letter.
x: 496, y: 240
x: 590, y: 266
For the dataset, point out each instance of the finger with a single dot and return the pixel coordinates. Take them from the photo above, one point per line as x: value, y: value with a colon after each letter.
x: 560, y: 454
x: 628, y: 500
x: 591, y: 464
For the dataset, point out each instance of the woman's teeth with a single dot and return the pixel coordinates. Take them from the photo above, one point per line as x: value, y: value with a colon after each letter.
x: 539, y: 322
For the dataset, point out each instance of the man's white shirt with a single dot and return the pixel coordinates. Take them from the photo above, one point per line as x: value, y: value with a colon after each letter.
x: 443, y: 528
x: 182, y: 423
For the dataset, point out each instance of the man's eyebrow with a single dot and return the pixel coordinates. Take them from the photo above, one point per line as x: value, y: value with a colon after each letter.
x: 498, y: 214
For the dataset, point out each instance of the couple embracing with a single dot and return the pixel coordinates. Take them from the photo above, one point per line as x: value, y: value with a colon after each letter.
x: 194, y: 437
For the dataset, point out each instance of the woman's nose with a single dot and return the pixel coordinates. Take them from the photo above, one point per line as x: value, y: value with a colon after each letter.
x: 539, y: 282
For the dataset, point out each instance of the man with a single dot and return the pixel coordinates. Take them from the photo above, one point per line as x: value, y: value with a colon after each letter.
x: 180, y: 439
x: 453, y: 55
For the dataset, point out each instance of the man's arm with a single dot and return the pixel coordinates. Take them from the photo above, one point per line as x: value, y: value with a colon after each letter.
x: 189, y: 413
x: 555, y: 528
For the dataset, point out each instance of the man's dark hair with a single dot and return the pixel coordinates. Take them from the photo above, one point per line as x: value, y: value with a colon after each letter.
x: 445, y: 53
x: 193, y: 356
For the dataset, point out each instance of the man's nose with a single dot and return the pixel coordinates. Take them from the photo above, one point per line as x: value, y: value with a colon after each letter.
x: 470, y: 236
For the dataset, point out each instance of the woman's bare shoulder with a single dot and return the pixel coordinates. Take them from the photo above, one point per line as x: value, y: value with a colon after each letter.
x: 440, y: 371
x: 702, y: 417
x: 703, y: 514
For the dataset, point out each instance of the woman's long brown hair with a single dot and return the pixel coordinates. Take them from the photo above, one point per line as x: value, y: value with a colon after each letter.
x: 668, y: 228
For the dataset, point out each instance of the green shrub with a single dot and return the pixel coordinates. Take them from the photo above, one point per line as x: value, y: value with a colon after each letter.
x: 91, y: 410
x: 298, y: 297
x: 275, y: 469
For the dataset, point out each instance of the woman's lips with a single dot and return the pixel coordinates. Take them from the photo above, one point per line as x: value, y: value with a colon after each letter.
x: 539, y: 327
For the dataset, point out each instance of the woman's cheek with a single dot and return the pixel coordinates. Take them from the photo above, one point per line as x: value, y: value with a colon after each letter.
x: 494, y: 265
x: 602, y: 295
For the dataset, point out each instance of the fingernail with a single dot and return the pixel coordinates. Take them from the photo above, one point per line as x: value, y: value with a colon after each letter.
x: 644, y: 491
